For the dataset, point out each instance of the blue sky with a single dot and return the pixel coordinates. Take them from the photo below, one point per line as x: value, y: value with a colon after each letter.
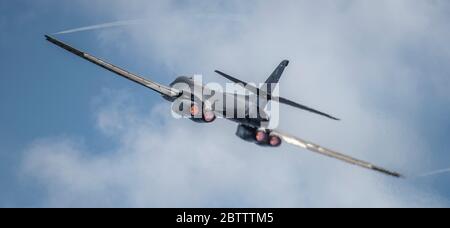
x: 382, y: 67
x: 33, y: 80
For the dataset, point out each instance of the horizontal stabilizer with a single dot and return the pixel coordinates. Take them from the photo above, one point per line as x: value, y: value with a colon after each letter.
x: 300, y: 106
x: 281, y: 100
x: 246, y: 85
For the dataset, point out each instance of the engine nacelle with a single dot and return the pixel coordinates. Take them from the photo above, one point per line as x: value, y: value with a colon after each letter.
x: 246, y: 133
x: 261, y: 137
x: 275, y: 140
x: 194, y: 111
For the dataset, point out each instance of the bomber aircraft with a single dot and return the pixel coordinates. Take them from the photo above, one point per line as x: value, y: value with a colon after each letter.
x: 203, y: 105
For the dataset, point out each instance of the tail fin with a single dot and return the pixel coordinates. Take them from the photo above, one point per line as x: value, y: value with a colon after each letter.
x: 276, y: 75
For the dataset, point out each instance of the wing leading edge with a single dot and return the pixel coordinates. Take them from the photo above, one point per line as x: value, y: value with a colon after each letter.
x: 163, y: 90
x: 333, y: 154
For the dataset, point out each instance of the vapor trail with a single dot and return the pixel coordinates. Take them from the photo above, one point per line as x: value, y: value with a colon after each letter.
x: 437, y: 172
x: 102, y: 26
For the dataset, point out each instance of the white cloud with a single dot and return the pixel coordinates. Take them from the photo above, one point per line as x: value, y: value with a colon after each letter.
x: 347, y: 59
x: 183, y: 164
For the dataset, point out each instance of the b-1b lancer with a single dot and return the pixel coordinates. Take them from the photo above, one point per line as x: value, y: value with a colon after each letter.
x: 251, y: 128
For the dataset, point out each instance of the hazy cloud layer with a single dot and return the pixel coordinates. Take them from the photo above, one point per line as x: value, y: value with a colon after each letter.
x: 359, y: 60
x: 162, y: 162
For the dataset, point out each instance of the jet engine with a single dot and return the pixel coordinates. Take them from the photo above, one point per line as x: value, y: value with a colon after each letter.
x: 262, y: 137
x: 194, y: 111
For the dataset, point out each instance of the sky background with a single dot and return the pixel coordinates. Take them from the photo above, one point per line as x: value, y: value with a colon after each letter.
x: 75, y: 135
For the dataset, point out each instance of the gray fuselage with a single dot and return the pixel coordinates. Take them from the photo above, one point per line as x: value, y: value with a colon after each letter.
x: 241, y: 108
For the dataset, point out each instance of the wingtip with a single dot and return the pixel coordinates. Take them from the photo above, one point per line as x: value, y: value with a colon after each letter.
x: 389, y: 173
x: 49, y: 38
x: 64, y: 45
x: 397, y: 175
x: 334, y: 118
